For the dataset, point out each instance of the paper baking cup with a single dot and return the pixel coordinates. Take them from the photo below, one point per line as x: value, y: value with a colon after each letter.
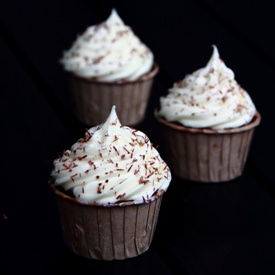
x: 207, y: 155
x: 107, y: 233
x: 93, y: 100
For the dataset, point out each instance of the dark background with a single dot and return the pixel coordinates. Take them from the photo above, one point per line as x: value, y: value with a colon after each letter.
x: 224, y: 228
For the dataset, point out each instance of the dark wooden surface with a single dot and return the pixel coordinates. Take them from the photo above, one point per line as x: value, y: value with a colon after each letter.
x: 224, y: 228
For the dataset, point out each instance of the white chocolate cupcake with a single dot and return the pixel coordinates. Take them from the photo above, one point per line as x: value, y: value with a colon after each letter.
x: 208, y: 121
x: 109, y: 65
x: 109, y: 187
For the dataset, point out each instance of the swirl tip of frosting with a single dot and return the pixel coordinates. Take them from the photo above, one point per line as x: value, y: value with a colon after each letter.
x: 114, y: 16
x: 113, y: 111
x: 215, y: 49
x: 113, y: 118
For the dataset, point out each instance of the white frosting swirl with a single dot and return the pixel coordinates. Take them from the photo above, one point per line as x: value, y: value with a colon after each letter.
x: 208, y: 98
x: 109, y: 52
x: 112, y: 164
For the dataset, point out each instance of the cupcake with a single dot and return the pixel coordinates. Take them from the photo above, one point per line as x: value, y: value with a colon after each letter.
x: 208, y: 121
x: 109, y: 65
x: 109, y: 187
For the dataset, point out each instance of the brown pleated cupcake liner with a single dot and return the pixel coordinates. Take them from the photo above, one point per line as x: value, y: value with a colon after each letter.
x: 107, y: 233
x: 207, y: 155
x: 93, y: 100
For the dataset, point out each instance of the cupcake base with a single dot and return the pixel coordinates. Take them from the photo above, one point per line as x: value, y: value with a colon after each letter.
x: 207, y: 155
x: 93, y: 100
x: 107, y: 233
